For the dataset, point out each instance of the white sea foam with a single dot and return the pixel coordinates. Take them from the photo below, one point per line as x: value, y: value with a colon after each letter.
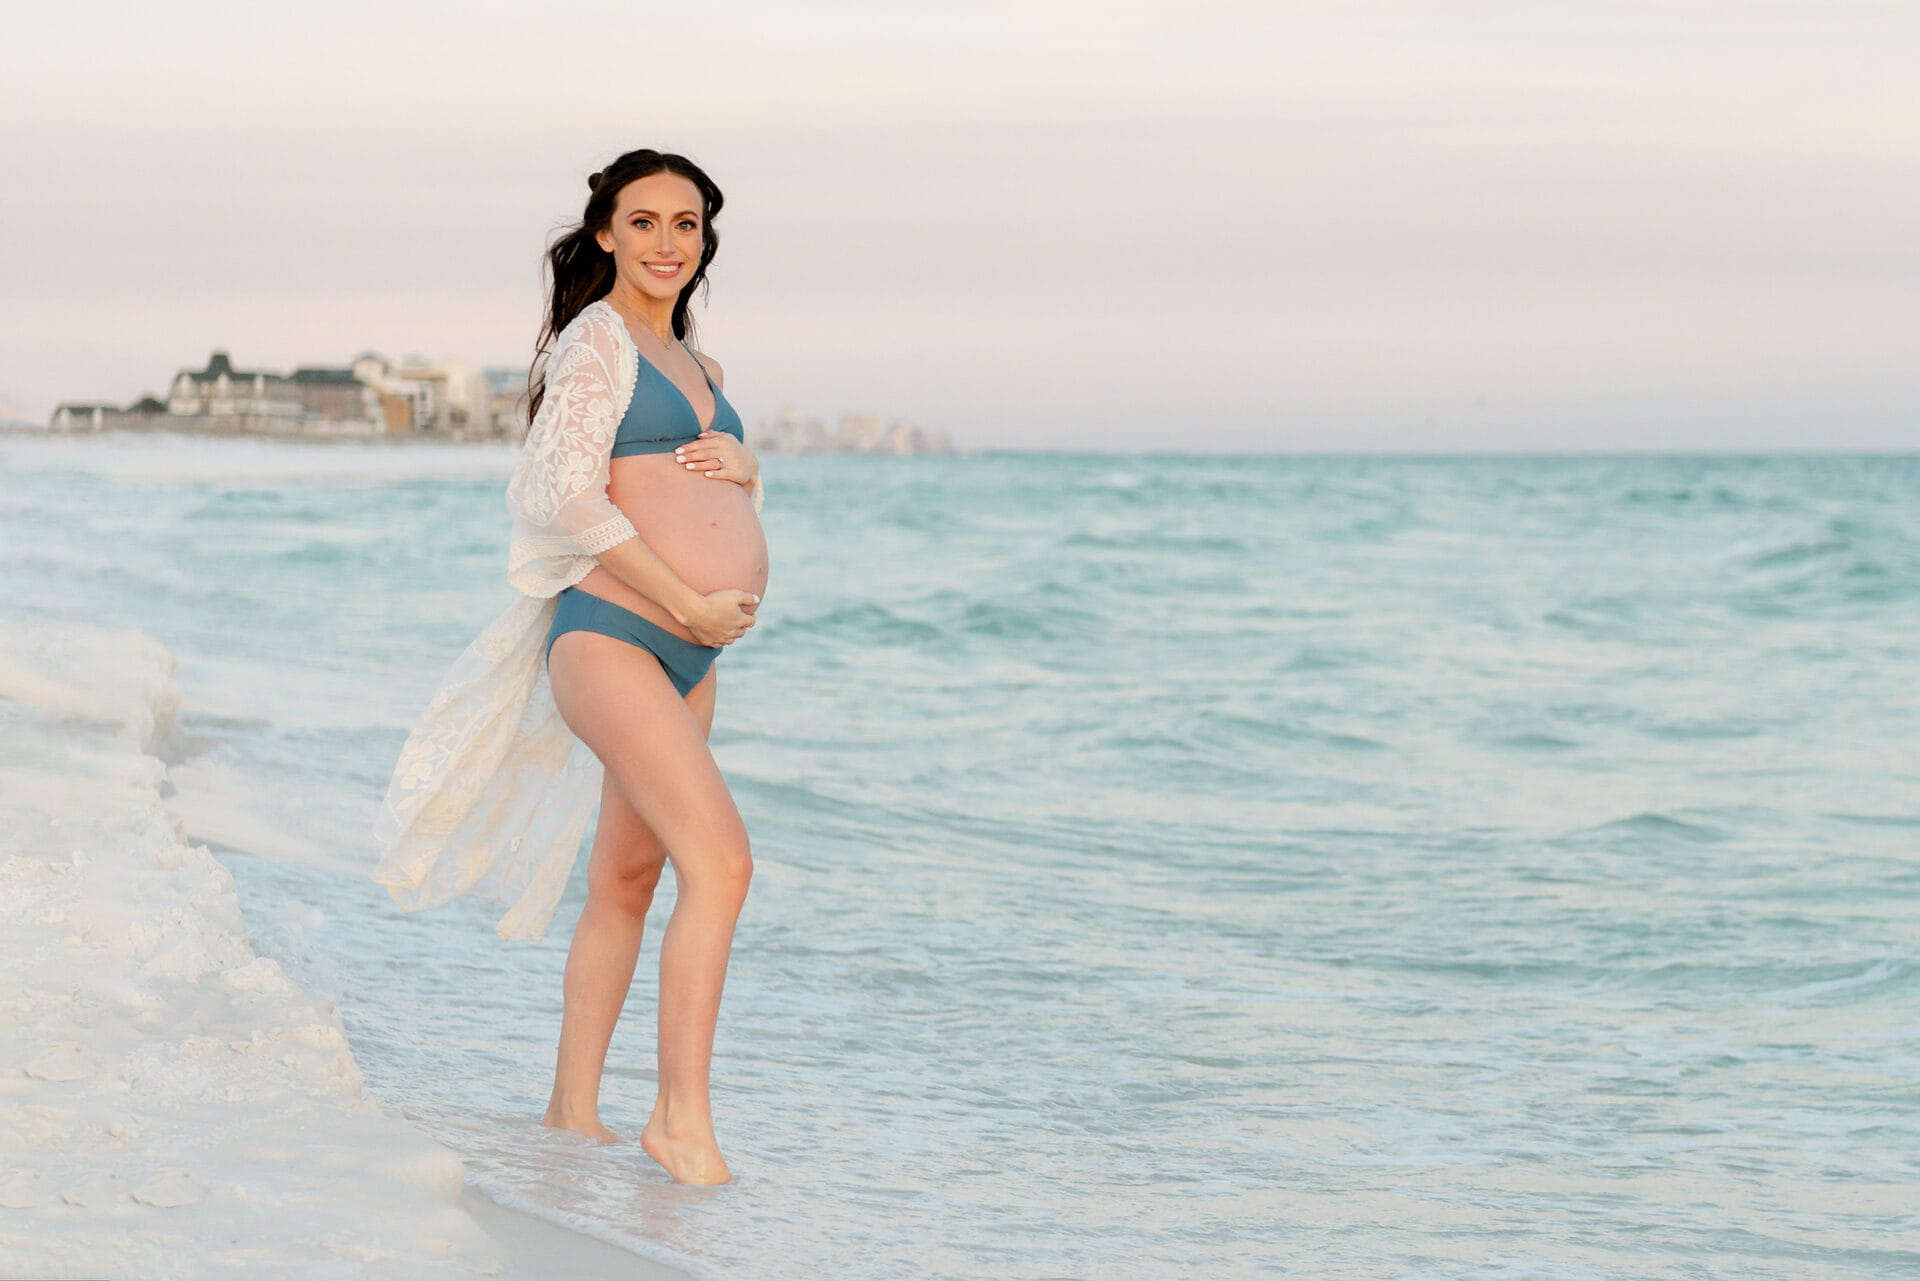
x: 170, y: 1103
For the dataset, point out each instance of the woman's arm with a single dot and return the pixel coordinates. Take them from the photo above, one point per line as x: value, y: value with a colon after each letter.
x: 640, y: 567
x: 558, y: 494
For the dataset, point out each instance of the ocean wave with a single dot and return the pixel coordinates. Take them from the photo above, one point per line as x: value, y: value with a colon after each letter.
x: 1850, y: 981
x: 1767, y: 550
x: 1654, y: 824
x: 859, y: 623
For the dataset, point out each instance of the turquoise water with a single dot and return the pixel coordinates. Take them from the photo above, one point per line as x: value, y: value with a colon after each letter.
x: 1165, y: 867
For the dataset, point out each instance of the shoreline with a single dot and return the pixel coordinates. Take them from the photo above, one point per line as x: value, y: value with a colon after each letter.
x: 388, y: 440
x: 30, y: 432
x: 170, y: 1099
x: 537, y: 1249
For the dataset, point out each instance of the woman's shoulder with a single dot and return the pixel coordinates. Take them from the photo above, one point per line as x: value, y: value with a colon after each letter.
x: 593, y: 322
x: 596, y: 326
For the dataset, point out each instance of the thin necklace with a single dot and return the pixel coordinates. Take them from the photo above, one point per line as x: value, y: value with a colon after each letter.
x: 629, y: 324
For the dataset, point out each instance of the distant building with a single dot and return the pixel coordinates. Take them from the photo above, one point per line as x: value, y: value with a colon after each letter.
x: 371, y: 397
x: 445, y: 398
x: 786, y: 433
x: 506, y: 396
x: 76, y: 415
x: 332, y: 395
x: 310, y: 400
x: 442, y: 399
x: 80, y: 416
x: 223, y: 398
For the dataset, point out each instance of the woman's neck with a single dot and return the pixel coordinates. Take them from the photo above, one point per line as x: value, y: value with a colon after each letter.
x: 642, y: 312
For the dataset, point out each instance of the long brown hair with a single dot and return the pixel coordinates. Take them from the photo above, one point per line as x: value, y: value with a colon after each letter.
x: 579, y: 270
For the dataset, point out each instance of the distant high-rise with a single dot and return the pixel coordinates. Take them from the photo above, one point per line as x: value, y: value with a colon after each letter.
x: 856, y: 433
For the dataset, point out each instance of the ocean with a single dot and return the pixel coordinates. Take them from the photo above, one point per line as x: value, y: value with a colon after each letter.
x: 1167, y: 866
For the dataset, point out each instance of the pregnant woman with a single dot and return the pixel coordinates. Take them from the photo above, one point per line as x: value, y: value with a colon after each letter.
x: 638, y: 551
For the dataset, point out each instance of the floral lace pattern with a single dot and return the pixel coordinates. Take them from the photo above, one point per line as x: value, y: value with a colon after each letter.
x: 492, y: 792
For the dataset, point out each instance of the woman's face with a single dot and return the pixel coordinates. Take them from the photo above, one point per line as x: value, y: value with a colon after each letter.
x: 656, y: 223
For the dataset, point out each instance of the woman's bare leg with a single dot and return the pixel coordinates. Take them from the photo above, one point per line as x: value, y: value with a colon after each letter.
x: 623, y: 871
x: 600, y: 965
x: 620, y: 703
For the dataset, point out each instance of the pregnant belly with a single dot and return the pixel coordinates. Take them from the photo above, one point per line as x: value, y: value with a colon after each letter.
x: 705, y: 530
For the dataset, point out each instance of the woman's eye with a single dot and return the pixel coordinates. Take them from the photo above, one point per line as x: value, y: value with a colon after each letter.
x: 687, y: 224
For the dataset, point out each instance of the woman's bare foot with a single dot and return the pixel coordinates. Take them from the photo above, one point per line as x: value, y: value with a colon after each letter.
x: 687, y: 1158
x: 560, y: 1119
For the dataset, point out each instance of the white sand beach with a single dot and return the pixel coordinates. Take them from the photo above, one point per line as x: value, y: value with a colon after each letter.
x: 171, y: 1104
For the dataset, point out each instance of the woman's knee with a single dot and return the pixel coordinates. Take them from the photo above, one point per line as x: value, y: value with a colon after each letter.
x: 724, y: 868
x: 628, y: 883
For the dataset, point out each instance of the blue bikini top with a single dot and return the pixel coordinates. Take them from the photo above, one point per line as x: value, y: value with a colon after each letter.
x: 660, y: 418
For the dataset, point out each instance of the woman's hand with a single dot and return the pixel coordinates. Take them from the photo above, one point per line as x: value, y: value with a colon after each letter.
x: 722, y: 617
x: 717, y: 455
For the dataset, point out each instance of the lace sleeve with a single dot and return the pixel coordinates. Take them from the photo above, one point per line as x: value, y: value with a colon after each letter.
x: 558, y: 493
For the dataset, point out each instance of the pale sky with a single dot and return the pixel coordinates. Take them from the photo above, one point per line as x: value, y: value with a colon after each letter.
x: 1208, y: 225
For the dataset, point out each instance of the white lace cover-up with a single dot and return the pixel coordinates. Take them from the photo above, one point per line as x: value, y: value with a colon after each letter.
x: 492, y: 792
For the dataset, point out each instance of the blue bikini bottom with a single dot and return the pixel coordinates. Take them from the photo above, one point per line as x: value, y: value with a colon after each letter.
x: 684, y: 662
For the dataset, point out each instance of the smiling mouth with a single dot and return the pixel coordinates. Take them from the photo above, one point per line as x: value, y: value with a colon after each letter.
x: 672, y: 269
